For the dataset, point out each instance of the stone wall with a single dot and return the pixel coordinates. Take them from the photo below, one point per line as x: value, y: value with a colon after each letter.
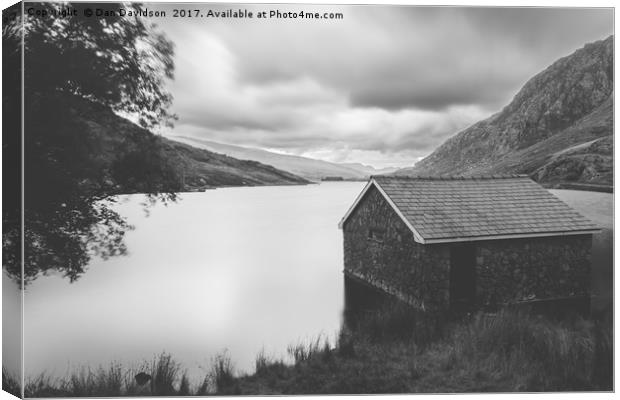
x: 513, y: 270
x: 379, y: 249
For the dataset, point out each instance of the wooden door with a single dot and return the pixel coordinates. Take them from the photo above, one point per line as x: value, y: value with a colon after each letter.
x: 462, y: 276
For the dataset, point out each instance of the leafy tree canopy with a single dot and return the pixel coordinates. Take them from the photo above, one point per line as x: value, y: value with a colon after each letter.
x: 79, y: 71
x: 120, y: 62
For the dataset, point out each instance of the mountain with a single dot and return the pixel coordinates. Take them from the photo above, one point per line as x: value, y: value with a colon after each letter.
x: 368, y: 169
x: 558, y: 128
x: 202, y: 169
x: 129, y: 156
x: 305, y: 167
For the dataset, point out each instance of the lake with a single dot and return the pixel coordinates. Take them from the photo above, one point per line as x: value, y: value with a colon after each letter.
x: 237, y: 269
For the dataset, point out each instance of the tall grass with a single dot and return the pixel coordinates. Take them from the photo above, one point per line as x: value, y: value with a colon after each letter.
x: 114, y: 381
x: 223, y: 374
x: 45, y: 386
x: 304, y: 351
x: 101, y: 382
x: 204, y: 388
x: 265, y: 364
x: 184, y: 387
x: 262, y: 362
x: 383, y: 352
x: 395, y: 320
x: 10, y: 383
x: 164, y: 373
x: 538, y: 354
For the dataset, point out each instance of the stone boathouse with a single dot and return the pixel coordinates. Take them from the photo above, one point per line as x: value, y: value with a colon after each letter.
x: 442, y: 243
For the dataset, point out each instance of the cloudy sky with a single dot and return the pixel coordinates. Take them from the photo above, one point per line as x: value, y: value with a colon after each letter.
x: 383, y: 86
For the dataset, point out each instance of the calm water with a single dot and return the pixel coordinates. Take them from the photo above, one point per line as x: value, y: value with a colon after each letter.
x: 236, y: 269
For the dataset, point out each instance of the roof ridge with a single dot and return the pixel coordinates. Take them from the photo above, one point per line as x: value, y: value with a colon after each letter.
x: 448, y: 177
x: 450, y: 208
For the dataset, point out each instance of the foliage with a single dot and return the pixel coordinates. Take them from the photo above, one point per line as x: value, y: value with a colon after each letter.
x: 76, y: 68
x: 119, y: 62
x: 11, y: 139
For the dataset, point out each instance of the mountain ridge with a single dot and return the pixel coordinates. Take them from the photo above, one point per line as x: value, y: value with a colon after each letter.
x: 308, y: 168
x: 566, y: 105
x: 122, y: 144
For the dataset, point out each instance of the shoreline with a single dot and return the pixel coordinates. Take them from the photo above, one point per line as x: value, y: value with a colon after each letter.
x: 382, y: 353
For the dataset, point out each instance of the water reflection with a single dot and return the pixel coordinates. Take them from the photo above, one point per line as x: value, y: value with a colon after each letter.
x: 360, y: 300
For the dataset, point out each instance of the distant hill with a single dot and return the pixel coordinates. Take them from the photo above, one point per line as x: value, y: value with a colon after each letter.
x: 127, y: 152
x: 308, y: 168
x: 369, y: 170
x: 557, y: 129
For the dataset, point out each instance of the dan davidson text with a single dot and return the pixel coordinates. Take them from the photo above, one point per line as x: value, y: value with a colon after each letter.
x: 121, y: 12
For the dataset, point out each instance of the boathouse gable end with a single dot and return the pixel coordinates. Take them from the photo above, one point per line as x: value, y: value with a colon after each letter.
x: 441, y: 243
x: 372, y: 184
x: 380, y: 250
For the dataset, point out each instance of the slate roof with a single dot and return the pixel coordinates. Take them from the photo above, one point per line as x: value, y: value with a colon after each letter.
x: 456, y: 208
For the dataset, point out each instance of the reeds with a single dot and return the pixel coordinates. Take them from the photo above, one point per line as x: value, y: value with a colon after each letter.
x: 223, y: 374
x: 164, y: 375
x: 304, y: 351
x: 508, y: 351
x: 114, y: 381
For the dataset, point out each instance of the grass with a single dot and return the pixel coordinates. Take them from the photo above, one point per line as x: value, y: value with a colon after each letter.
x: 223, y: 375
x: 532, y: 353
x: 506, y: 352
x: 303, y: 351
x: 165, y: 373
x: 115, y: 380
x: 104, y: 382
x: 384, y: 352
x: 10, y: 384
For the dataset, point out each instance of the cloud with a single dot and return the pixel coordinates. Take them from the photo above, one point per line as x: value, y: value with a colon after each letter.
x: 420, y: 57
x: 386, y: 82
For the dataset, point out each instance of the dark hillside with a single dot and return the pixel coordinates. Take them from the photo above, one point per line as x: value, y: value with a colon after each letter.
x: 127, y: 153
x: 557, y: 129
x: 78, y: 156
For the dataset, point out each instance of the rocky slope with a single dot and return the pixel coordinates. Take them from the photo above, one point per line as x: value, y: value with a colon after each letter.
x: 557, y: 129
